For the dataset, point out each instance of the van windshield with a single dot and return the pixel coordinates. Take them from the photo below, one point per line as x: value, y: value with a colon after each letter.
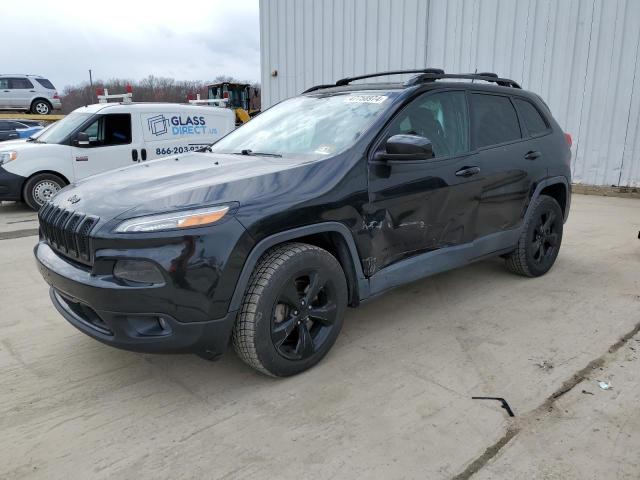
x: 307, y: 126
x: 60, y: 130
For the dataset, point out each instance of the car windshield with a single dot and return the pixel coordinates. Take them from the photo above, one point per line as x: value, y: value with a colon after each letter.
x: 60, y: 130
x: 307, y: 126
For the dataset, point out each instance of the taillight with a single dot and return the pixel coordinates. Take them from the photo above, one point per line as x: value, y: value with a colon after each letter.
x: 569, y: 139
x: 56, y: 96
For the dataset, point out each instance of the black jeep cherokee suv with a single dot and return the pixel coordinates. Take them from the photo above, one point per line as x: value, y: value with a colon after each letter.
x: 320, y: 202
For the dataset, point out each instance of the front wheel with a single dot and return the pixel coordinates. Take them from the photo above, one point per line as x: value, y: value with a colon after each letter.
x: 40, y: 188
x: 292, y: 311
x: 539, y: 243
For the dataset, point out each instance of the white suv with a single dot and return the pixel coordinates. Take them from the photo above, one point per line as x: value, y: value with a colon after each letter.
x: 31, y: 93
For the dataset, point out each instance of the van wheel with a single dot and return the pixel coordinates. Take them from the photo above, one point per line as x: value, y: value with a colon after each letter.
x: 40, y: 188
x: 292, y: 311
x: 41, y: 107
x: 540, y: 240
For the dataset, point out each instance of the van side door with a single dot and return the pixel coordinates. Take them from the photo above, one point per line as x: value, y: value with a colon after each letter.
x: 424, y: 205
x: 185, y: 129
x: 110, y: 144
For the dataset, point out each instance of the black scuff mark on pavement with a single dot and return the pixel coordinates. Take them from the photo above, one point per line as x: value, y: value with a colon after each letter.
x: 29, y: 232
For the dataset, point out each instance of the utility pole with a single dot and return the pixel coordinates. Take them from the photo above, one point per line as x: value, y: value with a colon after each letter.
x: 91, y: 86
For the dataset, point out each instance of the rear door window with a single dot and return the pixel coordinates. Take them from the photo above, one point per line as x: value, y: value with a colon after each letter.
x: 531, y: 118
x: 19, y: 83
x: 493, y: 120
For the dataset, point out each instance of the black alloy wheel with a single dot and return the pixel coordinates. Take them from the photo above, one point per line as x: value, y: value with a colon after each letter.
x: 303, y: 316
x: 539, y: 242
x: 292, y: 311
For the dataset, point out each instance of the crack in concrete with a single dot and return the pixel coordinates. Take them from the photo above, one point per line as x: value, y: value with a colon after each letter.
x: 517, y: 425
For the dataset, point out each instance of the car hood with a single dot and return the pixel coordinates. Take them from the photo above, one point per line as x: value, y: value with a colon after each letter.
x: 27, y: 149
x: 194, y: 179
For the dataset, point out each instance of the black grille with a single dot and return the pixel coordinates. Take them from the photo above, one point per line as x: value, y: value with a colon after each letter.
x: 67, y: 231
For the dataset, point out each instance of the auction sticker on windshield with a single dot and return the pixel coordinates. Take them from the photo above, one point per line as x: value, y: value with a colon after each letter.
x: 365, y: 99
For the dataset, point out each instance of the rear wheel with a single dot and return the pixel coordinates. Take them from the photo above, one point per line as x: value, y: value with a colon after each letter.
x: 540, y: 240
x: 40, y: 188
x: 41, y: 107
x: 292, y: 311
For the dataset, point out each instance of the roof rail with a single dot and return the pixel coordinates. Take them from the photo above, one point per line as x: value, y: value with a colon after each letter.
x: 347, y: 80
x: 426, y: 75
x: 20, y: 75
x: 485, y: 76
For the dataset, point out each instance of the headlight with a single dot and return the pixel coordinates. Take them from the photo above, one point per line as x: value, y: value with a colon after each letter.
x: 174, y: 220
x: 7, y: 156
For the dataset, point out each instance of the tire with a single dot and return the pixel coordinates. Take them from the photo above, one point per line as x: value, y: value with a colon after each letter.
x: 540, y: 241
x: 292, y: 311
x: 41, y: 107
x: 40, y: 188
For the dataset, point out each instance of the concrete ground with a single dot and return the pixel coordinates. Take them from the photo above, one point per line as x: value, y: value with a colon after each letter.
x: 391, y: 400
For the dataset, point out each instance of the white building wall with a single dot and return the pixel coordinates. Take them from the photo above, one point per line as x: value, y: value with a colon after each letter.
x: 581, y: 56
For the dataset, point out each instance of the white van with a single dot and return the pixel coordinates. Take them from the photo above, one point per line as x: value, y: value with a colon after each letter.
x: 102, y: 137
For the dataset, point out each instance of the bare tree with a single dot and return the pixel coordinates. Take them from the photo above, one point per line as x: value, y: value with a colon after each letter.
x: 149, y: 89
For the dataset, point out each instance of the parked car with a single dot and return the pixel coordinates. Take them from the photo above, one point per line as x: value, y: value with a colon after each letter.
x: 30, y: 93
x: 321, y: 202
x: 8, y: 130
x: 18, y: 129
x: 103, y: 137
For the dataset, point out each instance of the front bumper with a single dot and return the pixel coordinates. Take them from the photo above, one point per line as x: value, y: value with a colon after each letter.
x: 127, y: 317
x: 10, y: 185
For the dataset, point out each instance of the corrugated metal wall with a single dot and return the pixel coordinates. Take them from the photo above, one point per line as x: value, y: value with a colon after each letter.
x: 581, y: 56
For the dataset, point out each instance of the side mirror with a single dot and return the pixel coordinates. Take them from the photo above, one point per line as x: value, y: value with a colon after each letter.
x: 82, y: 140
x: 407, y: 147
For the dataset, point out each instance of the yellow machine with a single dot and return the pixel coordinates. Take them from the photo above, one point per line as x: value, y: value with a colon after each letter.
x: 237, y: 95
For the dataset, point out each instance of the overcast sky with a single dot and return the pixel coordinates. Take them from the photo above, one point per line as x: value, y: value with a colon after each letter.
x: 132, y: 39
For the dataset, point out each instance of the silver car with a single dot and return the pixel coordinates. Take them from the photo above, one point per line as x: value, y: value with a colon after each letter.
x: 31, y: 93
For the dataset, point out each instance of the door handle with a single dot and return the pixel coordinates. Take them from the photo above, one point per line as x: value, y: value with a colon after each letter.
x: 7, y: 91
x: 143, y: 153
x: 468, y: 171
x: 32, y: 91
x: 134, y: 155
x: 532, y: 155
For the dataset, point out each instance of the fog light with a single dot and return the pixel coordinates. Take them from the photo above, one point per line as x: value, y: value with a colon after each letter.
x: 138, y: 271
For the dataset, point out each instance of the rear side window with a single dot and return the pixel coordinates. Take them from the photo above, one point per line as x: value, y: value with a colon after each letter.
x: 493, y: 120
x: 20, y: 83
x: 45, y: 83
x: 531, y: 118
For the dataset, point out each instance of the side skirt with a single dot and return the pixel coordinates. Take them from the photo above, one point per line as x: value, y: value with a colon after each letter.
x: 430, y: 263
